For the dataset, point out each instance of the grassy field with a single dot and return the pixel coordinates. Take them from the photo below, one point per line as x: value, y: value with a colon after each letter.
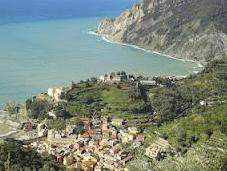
x: 114, y: 100
x: 118, y: 102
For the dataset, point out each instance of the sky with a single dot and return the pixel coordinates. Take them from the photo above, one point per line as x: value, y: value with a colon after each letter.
x: 13, y: 10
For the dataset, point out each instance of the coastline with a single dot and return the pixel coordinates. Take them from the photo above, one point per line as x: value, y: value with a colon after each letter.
x: 8, y: 123
x: 106, y: 39
x: 8, y: 134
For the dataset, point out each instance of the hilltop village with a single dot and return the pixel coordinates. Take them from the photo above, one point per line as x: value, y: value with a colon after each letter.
x: 96, y: 142
x: 122, y: 122
x: 98, y: 146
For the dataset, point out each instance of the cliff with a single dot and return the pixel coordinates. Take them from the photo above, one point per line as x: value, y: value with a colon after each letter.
x: 188, y: 29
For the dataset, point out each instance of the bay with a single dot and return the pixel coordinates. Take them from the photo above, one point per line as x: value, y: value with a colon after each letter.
x: 37, y: 55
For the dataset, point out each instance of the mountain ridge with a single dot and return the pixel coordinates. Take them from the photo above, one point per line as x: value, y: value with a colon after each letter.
x: 188, y: 29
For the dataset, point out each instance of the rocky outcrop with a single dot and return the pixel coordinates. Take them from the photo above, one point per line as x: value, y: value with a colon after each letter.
x: 188, y: 29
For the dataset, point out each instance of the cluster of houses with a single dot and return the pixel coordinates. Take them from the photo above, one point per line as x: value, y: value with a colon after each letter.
x: 99, y: 146
x: 115, y: 77
x: 158, y: 150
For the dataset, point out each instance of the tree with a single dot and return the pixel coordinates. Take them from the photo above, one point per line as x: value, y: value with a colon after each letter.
x: 94, y: 80
x: 224, y: 125
x: 38, y: 108
x: 135, y: 93
x: 7, y: 165
x: 209, y: 132
x: 224, y: 163
x: 182, y: 135
x: 60, y: 111
x: 58, y: 124
x: 12, y: 108
x: 13, y: 156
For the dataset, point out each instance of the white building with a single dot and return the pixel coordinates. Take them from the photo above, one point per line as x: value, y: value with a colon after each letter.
x: 55, y: 93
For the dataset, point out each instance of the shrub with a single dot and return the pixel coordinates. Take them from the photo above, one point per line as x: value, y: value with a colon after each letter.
x: 12, y: 108
x: 224, y: 163
x: 209, y: 132
x: 194, y: 138
x: 38, y: 108
x: 182, y: 135
x: 164, y: 136
x: 58, y: 124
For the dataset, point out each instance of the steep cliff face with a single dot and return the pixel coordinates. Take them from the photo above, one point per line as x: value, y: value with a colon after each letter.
x: 189, y: 29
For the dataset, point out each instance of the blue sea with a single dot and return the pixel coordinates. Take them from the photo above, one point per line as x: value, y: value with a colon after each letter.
x: 46, y: 43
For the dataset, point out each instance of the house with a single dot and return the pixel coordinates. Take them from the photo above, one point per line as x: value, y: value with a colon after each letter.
x: 132, y: 130
x: 103, y: 142
x: 155, y: 149
x: 203, y: 103
x: 147, y: 83
x: 98, y: 168
x: 117, y: 122
x: 106, y: 134
x: 51, y: 134
x: 115, y: 149
x: 67, y: 161
x: 86, y: 122
x: 140, y: 137
x: 42, y: 129
x: 78, y: 145
x: 125, y: 160
x: 126, y: 137
x: 113, y: 142
x: 52, y: 114
x: 85, y: 135
x: 108, y: 166
x: 95, y: 122
x: 104, y: 124
x: 121, y: 154
x: 55, y: 93
x: 109, y: 158
x: 114, y: 77
x: 102, y: 78
x: 28, y: 126
x: 97, y: 135
x: 74, y: 166
x: 88, y: 164
x: 59, y: 158
x: 114, y: 134
x: 70, y: 129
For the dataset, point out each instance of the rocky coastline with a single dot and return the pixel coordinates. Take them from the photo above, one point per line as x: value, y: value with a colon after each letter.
x: 172, y: 28
x: 107, y: 38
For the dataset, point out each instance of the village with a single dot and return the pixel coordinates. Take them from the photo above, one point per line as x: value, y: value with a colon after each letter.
x: 100, y: 145
x: 96, y: 143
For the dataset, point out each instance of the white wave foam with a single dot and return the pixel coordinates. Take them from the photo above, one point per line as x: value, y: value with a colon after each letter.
x: 8, y: 134
x: 106, y: 39
x: 93, y: 33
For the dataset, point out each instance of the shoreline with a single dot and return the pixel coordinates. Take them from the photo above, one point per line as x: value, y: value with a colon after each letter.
x: 8, y: 134
x: 9, y: 123
x: 105, y: 38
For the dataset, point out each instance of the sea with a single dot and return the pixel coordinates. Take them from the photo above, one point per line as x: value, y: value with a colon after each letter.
x: 49, y: 43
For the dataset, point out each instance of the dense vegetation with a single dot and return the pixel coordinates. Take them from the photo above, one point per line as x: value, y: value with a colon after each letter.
x: 196, y: 132
x: 86, y: 97
x: 190, y: 114
x: 14, y: 157
x: 173, y: 100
